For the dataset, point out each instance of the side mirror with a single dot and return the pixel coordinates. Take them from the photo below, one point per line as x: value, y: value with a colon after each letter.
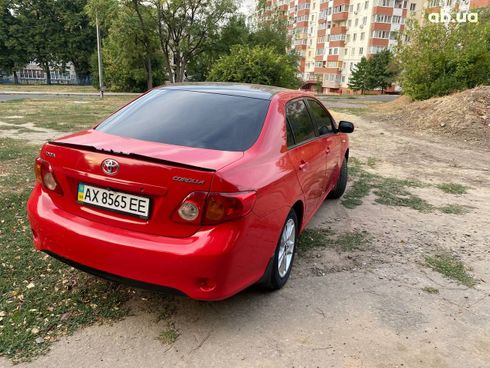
x: 346, y: 127
x: 323, y: 130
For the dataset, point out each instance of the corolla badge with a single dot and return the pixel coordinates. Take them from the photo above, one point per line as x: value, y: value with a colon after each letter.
x: 188, y: 180
x: 110, y: 166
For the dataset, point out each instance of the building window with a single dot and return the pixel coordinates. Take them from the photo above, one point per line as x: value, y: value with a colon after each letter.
x: 381, y: 34
x: 366, y: 5
x: 362, y: 36
x: 354, y: 36
x: 356, y: 22
x: 361, y: 50
x: 412, y: 7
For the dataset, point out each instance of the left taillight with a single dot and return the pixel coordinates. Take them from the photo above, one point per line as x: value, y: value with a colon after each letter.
x: 201, y: 208
x: 45, y: 176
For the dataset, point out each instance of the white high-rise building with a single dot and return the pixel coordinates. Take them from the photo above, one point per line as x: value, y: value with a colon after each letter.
x: 331, y: 36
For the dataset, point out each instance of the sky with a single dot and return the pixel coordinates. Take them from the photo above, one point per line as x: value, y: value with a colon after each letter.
x: 247, y: 7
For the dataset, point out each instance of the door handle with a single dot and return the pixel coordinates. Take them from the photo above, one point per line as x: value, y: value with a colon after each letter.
x: 327, y: 150
x: 303, y: 165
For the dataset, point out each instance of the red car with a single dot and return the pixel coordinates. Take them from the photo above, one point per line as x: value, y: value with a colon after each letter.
x: 199, y: 189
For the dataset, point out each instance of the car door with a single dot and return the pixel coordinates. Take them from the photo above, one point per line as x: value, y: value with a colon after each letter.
x: 330, y: 141
x: 306, y: 154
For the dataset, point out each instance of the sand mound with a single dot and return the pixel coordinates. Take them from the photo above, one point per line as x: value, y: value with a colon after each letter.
x: 464, y: 115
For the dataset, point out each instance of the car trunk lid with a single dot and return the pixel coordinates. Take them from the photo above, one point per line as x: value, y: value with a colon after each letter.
x: 164, y: 173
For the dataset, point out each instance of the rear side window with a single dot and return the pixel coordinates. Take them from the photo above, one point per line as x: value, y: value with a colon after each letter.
x: 299, y: 119
x: 193, y: 119
x: 320, y: 116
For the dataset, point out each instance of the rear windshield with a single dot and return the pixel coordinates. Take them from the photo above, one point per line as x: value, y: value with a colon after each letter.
x: 193, y: 119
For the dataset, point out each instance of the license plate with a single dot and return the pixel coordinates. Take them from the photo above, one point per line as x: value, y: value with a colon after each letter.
x: 113, y: 200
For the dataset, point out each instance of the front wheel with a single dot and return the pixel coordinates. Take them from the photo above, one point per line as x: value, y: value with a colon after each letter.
x: 282, y: 263
x: 339, y: 188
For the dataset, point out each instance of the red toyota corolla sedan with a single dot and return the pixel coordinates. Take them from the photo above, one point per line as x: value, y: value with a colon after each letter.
x: 199, y: 189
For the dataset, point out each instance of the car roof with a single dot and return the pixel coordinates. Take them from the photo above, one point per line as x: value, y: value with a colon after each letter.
x: 233, y: 89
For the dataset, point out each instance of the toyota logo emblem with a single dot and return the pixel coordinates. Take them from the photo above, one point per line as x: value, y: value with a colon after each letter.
x: 110, y: 166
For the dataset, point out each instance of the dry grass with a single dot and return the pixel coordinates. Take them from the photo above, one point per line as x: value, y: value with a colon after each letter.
x: 62, y: 114
x: 45, y: 88
x: 464, y: 116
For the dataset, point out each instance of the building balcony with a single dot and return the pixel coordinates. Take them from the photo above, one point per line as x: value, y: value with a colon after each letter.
x: 382, y: 10
x: 340, y: 16
x: 325, y: 70
x: 338, y: 30
x: 380, y: 26
x: 380, y: 42
x: 331, y: 84
x: 337, y: 43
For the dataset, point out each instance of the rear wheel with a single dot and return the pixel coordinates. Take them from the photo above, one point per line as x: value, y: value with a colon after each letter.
x: 278, y: 273
x: 339, y: 187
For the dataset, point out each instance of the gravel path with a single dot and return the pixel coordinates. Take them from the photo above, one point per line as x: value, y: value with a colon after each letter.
x: 360, y: 309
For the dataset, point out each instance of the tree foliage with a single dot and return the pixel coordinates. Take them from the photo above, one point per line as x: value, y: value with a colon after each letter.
x: 126, y: 57
x: 186, y: 28
x: 440, y: 59
x: 382, y: 70
x: 12, y: 45
x: 258, y: 64
x: 377, y: 72
x: 50, y: 32
x: 359, y: 80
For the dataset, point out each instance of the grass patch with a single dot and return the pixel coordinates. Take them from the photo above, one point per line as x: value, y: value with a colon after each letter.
x: 454, y: 209
x: 451, y: 267
x: 16, y: 165
x: 17, y: 128
x: 12, y: 149
x: 169, y: 336
x: 371, y: 162
x: 61, y: 114
x: 351, y: 110
x: 452, y: 188
x: 41, y: 298
x: 313, y: 238
x: 388, y: 191
x: 347, y: 242
x: 430, y: 290
x: 45, y: 88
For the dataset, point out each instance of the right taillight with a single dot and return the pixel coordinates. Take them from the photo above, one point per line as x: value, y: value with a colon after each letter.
x: 45, y: 176
x: 201, y: 208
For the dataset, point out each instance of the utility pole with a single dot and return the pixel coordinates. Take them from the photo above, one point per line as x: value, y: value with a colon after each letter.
x: 99, y: 57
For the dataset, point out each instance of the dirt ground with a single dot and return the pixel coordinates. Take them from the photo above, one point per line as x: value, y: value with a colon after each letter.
x: 339, y: 309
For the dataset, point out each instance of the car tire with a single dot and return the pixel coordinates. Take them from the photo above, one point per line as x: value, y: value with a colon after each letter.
x: 279, y: 269
x: 339, y: 188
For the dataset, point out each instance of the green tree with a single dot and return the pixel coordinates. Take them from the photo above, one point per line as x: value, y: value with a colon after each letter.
x: 41, y: 23
x: 125, y: 54
x: 14, y: 50
x: 382, y: 70
x: 272, y: 32
x: 235, y: 32
x: 145, y: 34
x: 79, y: 36
x: 186, y: 28
x: 440, y: 59
x: 259, y: 64
x: 359, y: 79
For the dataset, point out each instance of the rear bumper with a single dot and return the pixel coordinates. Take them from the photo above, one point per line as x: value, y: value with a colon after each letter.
x: 208, y: 265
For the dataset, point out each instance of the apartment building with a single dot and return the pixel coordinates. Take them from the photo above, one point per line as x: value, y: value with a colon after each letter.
x: 331, y: 36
